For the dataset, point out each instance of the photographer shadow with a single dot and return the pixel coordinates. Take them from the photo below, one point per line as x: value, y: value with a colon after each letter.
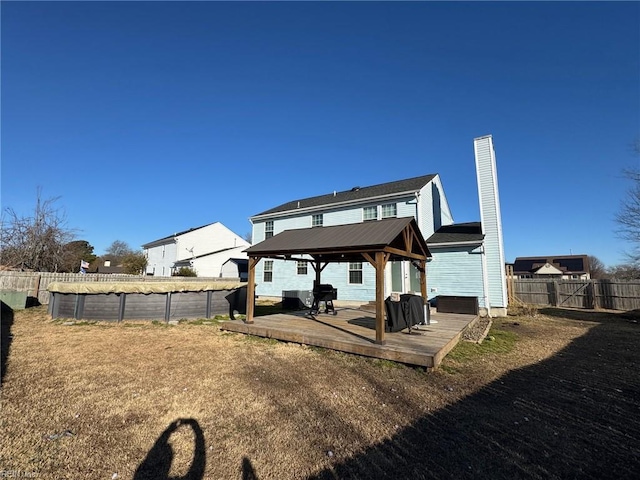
x: 6, y: 319
x: 157, y: 463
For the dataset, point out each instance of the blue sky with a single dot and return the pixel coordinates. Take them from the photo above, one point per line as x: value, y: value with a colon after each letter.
x: 148, y: 118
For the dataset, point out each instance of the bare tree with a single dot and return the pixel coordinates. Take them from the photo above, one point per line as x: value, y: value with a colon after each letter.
x: 628, y: 217
x: 625, y: 271
x: 597, y: 270
x: 35, y: 242
x: 117, y: 251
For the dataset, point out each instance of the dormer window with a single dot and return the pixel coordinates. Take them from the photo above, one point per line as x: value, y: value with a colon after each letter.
x: 316, y: 220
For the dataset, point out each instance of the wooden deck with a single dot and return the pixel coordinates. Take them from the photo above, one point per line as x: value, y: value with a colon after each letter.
x: 353, y: 331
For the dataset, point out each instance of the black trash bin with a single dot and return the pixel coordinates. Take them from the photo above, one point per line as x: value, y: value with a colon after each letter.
x: 407, y: 312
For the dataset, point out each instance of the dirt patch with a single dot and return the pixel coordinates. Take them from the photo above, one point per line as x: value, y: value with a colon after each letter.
x: 555, y: 396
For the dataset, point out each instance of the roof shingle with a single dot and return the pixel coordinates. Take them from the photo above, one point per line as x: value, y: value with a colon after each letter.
x: 356, y: 193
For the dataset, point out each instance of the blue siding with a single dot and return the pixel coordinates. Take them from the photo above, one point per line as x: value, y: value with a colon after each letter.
x: 451, y: 272
x: 455, y: 271
x: 285, y: 277
x: 491, y: 220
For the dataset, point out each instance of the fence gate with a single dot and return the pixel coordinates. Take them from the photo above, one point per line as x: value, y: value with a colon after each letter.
x: 574, y: 294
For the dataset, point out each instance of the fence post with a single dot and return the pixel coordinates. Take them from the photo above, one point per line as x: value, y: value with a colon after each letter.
x: 36, y: 287
x: 556, y: 293
x: 593, y: 292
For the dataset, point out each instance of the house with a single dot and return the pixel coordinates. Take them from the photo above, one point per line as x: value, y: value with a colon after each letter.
x: 467, y: 259
x: 106, y: 267
x: 566, y: 267
x: 205, y: 249
x: 236, y: 267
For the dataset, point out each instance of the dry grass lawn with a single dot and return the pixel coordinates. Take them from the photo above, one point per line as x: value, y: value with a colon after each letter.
x: 551, y: 396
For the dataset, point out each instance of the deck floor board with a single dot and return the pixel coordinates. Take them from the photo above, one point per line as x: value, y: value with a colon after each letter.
x: 352, y: 330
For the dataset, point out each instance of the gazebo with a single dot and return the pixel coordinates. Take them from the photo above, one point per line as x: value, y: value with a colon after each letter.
x: 377, y: 242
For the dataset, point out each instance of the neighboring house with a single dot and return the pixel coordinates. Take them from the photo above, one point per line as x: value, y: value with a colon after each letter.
x: 106, y: 267
x: 468, y: 259
x: 565, y: 267
x: 236, y: 267
x: 204, y: 249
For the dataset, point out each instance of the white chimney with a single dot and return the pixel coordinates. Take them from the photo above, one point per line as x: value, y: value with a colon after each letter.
x: 490, y: 217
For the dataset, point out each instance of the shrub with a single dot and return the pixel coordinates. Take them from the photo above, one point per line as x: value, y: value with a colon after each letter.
x: 185, y: 272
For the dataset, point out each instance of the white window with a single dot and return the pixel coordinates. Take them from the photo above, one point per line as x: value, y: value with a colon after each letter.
x: 302, y: 268
x: 355, y: 272
x: 389, y: 210
x: 268, y: 230
x: 268, y: 271
x: 316, y: 220
x: 369, y: 213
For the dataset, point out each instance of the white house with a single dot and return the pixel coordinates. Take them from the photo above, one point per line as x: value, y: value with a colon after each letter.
x: 565, y: 267
x: 468, y: 259
x: 206, y: 249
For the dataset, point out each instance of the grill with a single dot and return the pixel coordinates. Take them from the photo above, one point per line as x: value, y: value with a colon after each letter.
x: 323, y: 292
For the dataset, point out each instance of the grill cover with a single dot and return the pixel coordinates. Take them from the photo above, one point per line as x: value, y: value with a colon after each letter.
x: 409, y: 311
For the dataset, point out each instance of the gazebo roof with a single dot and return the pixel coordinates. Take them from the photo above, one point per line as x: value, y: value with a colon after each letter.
x: 399, y: 237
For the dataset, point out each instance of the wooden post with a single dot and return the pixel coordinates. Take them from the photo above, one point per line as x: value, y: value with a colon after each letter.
x: 380, y: 298
x: 318, y: 270
x: 593, y: 291
x: 36, y: 287
x: 251, y: 288
x: 423, y: 280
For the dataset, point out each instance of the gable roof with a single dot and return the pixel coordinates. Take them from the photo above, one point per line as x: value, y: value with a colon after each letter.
x: 408, y: 186
x: 566, y: 264
x: 457, y: 233
x: 347, y: 243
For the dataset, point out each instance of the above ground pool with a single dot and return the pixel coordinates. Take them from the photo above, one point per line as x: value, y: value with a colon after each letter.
x: 117, y: 301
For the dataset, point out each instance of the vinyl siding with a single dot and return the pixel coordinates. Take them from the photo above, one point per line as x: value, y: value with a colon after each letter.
x: 156, y: 260
x: 285, y: 277
x: 206, y: 240
x: 434, y: 208
x: 491, y: 220
x: 455, y: 271
x: 201, y: 241
x: 211, y: 265
x: 430, y: 217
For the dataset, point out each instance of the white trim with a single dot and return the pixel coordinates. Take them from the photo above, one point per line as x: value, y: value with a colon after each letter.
x: 327, y: 206
x: 455, y: 244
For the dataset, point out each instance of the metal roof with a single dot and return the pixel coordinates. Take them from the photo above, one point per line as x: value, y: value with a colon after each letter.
x: 354, y: 194
x: 344, y: 243
x: 457, y: 233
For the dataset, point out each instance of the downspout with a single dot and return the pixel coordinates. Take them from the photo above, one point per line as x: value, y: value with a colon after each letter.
x: 485, y: 282
x: 418, y: 210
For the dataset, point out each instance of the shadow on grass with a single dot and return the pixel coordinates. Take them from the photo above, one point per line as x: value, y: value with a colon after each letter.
x: 589, y: 315
x: 157, y: 463
x: 248, y: 472
x: 6, y: 321
x: 574, y: 415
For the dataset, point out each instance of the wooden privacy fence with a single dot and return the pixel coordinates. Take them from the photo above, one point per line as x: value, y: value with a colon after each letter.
x: 591, y: 294
x: 36, y: 283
